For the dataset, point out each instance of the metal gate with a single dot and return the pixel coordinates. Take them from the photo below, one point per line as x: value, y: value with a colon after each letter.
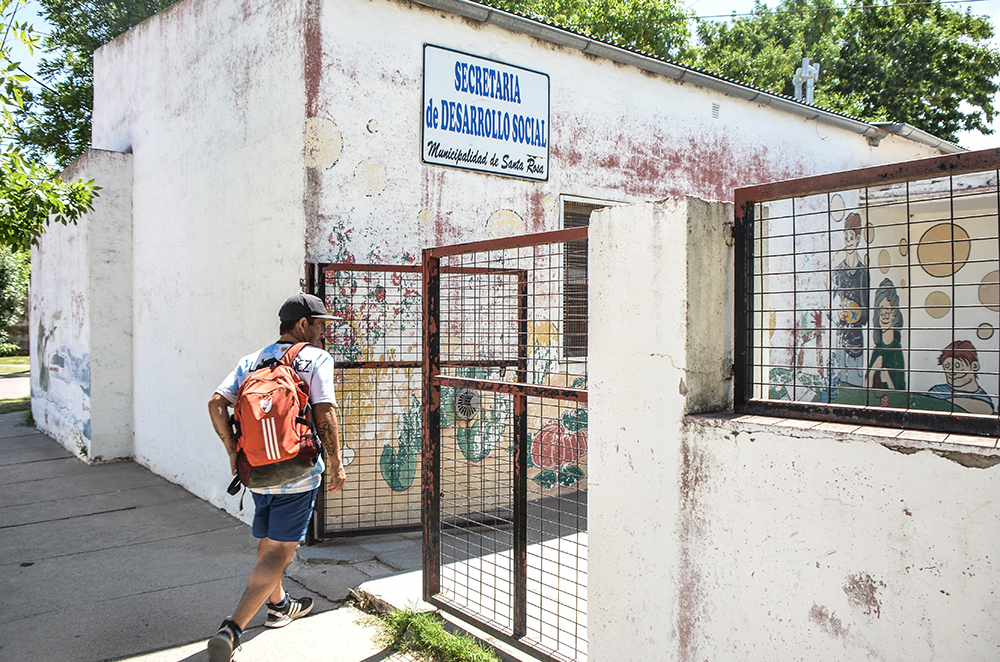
x: 505, y: 439
x: 376, y: 344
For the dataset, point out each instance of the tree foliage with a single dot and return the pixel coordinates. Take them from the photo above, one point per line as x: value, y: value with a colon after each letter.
x: 657, y: 27
x: 881, y: 60
x: 15, y: 271
x: 56, y: 121
x: 912, y: 61
x: 31, y: 193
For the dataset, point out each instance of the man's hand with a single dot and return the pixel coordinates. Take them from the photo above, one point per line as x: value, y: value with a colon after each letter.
x: 325, y: 417
x: 337, y: 480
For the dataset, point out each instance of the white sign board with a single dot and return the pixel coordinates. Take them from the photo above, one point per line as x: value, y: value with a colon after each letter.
x: 484, y: 115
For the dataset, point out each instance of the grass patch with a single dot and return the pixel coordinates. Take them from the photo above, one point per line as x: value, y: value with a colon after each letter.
x: 11, y: 364
x: 15, y: 404
x: 423, y: 634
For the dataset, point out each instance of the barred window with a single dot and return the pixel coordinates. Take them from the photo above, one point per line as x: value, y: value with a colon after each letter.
x: 877, y: 301
x: 575, y: 304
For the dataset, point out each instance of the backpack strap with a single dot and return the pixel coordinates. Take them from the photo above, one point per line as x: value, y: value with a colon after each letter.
x: 292, y: 353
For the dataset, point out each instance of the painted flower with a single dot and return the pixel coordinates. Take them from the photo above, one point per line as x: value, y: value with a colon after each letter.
x: 555, y: 446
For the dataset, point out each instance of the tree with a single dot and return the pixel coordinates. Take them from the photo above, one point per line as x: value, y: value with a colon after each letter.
x: 31, y: 193
x: 56, y: 121
x: 881, y: 60
x: 15, y: 270
x: 657, y: 27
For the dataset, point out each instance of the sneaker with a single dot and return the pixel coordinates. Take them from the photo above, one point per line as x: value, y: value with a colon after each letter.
x: 279, y: 617
x: 222, y: 645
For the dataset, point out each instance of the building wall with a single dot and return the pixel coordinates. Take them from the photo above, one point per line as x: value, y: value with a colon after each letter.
x: 81, y: 372
x: 618, y: 133
x: 210, y: 100
x: 269, y: 134
x: 752, y: 538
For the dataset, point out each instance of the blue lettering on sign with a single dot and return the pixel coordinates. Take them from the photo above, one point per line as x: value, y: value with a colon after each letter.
x: 471, y: 120
x: 485, y: 82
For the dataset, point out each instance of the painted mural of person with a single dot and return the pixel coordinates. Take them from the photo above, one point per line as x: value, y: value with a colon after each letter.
x: 887, y: 366
x: 960, y: 362
x: 850, y: 288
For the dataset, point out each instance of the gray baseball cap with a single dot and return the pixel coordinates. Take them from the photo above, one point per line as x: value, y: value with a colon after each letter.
x: 298, y: 306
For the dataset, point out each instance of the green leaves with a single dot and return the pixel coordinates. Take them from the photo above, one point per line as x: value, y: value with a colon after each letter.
x: 923, y: 64
x: 55, y: 122
x: 659, y: 27
x: 881, y: 60
x: 31, y: 194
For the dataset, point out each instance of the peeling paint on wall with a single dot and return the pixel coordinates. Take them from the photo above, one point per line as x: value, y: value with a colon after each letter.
x: 862, y: 592
x: 323, y: 143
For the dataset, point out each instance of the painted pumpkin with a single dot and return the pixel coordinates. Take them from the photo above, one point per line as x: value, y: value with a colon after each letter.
x: 555, y: 446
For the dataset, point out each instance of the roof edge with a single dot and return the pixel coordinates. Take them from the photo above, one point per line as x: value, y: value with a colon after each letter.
x: 910, y: 132
x: 515, y: 23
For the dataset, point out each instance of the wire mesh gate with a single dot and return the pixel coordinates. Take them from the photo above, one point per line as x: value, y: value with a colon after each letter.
x: 376, y: 344
x: 505, y: 439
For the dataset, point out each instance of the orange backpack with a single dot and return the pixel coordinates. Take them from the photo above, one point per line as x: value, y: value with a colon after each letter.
x: 275, y: 437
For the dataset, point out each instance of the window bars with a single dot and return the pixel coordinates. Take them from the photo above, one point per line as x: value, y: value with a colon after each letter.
x: 505, y: 443
x: 873, y: 296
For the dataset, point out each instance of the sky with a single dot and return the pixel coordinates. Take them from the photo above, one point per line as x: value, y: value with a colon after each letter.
x: 702, y: 8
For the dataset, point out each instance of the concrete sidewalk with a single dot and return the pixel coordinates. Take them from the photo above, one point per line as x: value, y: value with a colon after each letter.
x: 112, y: 562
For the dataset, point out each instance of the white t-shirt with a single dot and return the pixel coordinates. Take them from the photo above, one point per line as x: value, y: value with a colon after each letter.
x: 315, y: 367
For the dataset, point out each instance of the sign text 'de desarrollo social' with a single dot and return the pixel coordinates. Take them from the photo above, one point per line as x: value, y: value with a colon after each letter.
x: 484, y: 115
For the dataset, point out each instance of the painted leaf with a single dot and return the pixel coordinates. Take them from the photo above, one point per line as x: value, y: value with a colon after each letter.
x: 579, y: 382
x: 399, y: 465
x: 474, y: 444
x: 575, y: 420
x: 398, y: 468
x: 571, y: 475
x: 547, y: 478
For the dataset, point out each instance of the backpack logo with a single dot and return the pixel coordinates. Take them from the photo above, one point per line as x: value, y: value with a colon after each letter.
x: 265, y: 405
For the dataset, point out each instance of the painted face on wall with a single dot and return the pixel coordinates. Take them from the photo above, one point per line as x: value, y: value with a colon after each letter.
x: 851, y: 239
x: 959, y: 372
x: 886, y: 314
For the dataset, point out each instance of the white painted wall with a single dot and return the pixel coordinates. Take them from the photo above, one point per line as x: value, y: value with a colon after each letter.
x: 722, y: 540
x: 209, y: 98
x: 618, y: 133
x: 81, y: 294
x: 268, y: 134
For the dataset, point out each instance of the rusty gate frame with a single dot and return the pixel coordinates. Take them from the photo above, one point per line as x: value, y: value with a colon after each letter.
x: 519, y: 391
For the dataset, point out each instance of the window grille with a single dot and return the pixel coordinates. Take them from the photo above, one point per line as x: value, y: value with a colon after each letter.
x: 873, y: 296
x: 575, y: 304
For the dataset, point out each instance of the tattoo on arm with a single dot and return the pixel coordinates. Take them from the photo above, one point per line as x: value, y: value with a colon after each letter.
x: 325, y: 430
x: 223, y: 432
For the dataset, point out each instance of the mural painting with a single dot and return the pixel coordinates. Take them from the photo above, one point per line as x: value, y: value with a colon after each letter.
x: 883, y: 297
x: 378, y: 319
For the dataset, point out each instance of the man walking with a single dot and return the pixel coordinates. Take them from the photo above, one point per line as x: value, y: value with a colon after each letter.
x: 282, y: 512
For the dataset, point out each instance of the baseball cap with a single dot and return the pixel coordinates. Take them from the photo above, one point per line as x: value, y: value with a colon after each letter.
x: 298, y: 306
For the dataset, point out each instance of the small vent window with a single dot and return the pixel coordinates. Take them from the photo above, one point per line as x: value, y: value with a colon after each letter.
x: 576, y: 215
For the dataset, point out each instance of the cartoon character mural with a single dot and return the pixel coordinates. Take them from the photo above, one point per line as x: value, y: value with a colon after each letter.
x: 960, y: 363
x: 939, y: 288
x: 850, y: 289
x: 887, y: 366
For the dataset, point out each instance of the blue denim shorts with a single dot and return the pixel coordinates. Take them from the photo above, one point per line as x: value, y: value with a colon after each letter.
x: 283, y: 517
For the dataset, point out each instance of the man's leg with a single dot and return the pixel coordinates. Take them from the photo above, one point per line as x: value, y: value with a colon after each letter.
x: 265, y: 580
x: 280, y: 522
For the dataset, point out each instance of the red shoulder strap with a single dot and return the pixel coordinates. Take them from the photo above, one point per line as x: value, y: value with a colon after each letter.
x: 293, y: 351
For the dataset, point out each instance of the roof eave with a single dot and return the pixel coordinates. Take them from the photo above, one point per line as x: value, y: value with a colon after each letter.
x: 550, y: 33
